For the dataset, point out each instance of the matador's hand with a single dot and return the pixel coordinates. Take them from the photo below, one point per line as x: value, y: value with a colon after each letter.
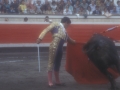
x: 39, y: 40
x: 73, y: 42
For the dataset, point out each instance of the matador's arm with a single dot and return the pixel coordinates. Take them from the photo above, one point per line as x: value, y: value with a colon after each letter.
x: 70, y: 40
x: 46, y: 30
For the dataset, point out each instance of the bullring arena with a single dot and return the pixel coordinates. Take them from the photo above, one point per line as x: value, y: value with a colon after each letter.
x: 19, y: 68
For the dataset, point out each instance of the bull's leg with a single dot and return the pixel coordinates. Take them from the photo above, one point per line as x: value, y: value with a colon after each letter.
x: 117, y: 63
x: 111, y: 79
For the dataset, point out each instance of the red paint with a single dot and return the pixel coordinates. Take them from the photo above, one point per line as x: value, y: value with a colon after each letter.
x: 28, y: 33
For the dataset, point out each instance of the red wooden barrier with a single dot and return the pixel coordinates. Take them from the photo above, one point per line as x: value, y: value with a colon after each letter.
x: 28, y: 33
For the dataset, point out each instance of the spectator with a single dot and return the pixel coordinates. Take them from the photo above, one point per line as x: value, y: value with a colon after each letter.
x: 89, y: 11
x: 92, y: 6
x: 31, y: 7
x: 10, y: 1
x: 57, y: 0
x: 118, y: 7
x: 43, y: 1
x: 81, y: 1
x: 23, y: 7
x: 97, y: 11
x: 69, y: 6
x: 1, y: 6
x: 102, y: 6
x: 106, y: 12
x: 38, y: 7
x: 6, y: 7
x: 66, y: 1
x: 12, y: 10
x: 49, y: 11
x: 111, y: 6
x: 88, y: 2
x: 77, y: 7
x: 53, y: 6
x: 98, y: 3
x: 67, y: 11
x: 50, y: 1
x: 114, y: 11
x: 45, y: 6
x: 59, y: 11
x: 61, y: 2
x: 14, y: 6
x: 82, y: 11
x: 20, y: 1
x: 60, y: 7
x: 74, y: 2
x: 107, y: 3
x: 57, y: 6
x: 84, y: 4
x: 33, y: 1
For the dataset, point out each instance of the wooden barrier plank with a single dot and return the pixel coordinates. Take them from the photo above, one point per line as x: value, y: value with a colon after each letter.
x: 28, y: 33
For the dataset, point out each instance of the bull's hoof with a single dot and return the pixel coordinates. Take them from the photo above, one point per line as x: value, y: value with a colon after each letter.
x: 116, y: 88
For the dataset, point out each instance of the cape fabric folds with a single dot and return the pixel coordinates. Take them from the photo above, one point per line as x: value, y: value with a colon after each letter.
x: 78, y: 64
x: 82, y: 69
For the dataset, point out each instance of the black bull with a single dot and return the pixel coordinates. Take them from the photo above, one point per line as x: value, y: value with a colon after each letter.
x: 102, y: 52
